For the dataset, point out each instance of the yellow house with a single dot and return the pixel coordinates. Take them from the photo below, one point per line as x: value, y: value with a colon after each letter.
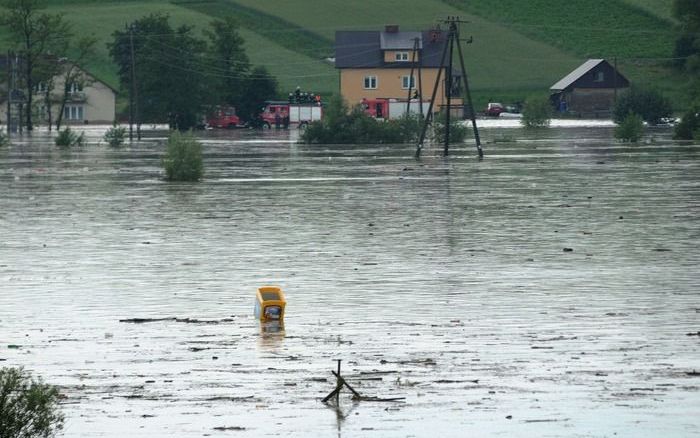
x: 377, y: 65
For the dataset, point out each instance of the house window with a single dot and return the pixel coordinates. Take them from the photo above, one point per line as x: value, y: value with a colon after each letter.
x: 74, y: 87
x: 402, y: 56
x: 73, y: 112
x: 41, y: 87
x: 408, y: 82
x: 370, y: 82
x: 599, y: 76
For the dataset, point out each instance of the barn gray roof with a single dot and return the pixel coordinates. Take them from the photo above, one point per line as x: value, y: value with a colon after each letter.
x: 576, y: 74
x: 363, y: 49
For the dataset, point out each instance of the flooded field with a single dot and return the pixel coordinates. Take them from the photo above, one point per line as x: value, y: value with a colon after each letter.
x: 550, y: 290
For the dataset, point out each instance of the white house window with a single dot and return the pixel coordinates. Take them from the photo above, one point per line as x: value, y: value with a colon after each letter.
x: 408, y: 82
x: 41, y: 87
x: 370, y: 82
x: 73, y: 112
x: 74, y: 87
x: 402, y: 56
x: 599, y: 77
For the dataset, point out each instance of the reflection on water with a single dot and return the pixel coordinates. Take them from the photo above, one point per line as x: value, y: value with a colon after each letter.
x: 445, y: 281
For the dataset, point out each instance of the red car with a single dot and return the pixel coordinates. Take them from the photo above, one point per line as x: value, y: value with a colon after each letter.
x: 494, y: 109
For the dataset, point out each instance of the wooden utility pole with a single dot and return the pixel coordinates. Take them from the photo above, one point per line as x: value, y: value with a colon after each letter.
x: 10, y: 85
x: 452, y: 37
x: 410, y: 80
x: 472, y: 112
x: 133, y: 96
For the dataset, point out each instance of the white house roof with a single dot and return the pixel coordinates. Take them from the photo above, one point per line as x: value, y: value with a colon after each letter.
x: 576, y: 74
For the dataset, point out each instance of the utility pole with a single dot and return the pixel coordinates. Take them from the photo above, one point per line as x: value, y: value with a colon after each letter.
x: 472, y: 113
x: 452, y: 36
x: 448, y: 92
x: 134, y: 97
x: 10, y: 85
x: 410, y: 77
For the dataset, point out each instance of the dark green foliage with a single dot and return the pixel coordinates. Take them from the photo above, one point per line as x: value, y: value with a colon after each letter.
x: 171, y: 83
x: 630, y: 129
x: 458, y: 131
x: 537, y: 112
x: 67, y: 138
x: 28, y: 407
x: 4, y: 139
x: 259, y: 86
x: 689, y: 126
x: 650, y: 104
x: 183, y: 158
x: 343, y: 126
x: 227, y: 61
x: 115, y: 136
x: 687, y: 49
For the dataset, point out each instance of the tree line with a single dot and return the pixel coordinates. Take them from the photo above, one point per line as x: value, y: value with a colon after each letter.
x: 173, y: 74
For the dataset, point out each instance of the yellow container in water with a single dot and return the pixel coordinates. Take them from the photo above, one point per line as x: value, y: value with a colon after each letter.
x: 269, y: 303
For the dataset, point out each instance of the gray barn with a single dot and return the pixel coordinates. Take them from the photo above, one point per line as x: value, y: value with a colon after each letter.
x: 590, y: 90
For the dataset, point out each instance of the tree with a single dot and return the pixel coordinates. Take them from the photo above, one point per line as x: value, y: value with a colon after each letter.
x: 170, y: 70
x: 28, y: 407
x: 227, y: 61
x: 630, y: 129
x: 259, y: 87
x: 650, y: 104
x: 73, y: 75
x: 537, y: 112
x: 36, y: 36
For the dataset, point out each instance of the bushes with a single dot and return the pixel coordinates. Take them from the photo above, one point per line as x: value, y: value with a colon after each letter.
x: 458, y: 131
x: 67, y: 138
x: 689, y: 126
x: 28, y: 407
x: 115, y: 135
x: 630, y: 129
x: 4, y: 139
x: 650, y: 104
x: 183, y: 158
x: 537, y: 112
x: 343, y: 126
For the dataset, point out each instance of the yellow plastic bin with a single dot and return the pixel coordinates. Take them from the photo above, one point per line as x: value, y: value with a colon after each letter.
x: 269, y: 304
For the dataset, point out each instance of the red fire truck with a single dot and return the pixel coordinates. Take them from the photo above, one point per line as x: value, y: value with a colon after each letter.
x: 383, y: 108
x: 279, y: 113
x: 224, y: 117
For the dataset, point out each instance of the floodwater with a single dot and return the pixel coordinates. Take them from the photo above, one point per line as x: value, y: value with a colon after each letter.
x: 550, y: 290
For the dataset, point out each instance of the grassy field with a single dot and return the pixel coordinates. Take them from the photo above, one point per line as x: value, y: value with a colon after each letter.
x: 519, y: 48
x: 499, y: 58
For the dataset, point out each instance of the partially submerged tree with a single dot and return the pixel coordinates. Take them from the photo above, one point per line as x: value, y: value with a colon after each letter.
x: 170, y: 72
x: 648, y: 103
x: 73, y: 76
x: 28, y: 407
x: 39, y: 38
x: 537, y: 112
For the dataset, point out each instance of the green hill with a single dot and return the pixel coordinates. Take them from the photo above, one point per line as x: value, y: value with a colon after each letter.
x: 518, y: 47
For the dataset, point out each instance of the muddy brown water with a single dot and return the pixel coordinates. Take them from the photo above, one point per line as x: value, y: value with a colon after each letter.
x: 444, y: 281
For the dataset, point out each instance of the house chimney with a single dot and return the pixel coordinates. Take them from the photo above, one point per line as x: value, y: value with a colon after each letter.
x: 435, y: 34
x: 391, y: 28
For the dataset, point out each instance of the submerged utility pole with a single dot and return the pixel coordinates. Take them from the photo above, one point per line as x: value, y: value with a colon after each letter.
x: 416, y: 47
x: 452, y: 37
x: 133, y: 97
x: 9, y: 92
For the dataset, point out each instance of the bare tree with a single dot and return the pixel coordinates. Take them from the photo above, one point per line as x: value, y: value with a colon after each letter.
x: 36, y: 35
